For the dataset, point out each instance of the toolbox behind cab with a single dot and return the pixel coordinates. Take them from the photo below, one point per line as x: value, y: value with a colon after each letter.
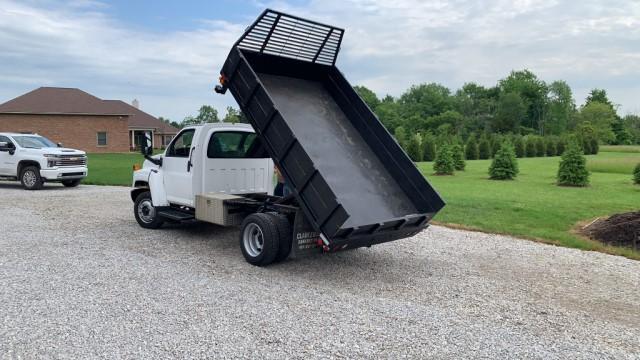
x: 353, y: 181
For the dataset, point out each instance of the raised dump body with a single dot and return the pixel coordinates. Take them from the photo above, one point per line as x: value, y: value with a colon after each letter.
x: 353, y: 181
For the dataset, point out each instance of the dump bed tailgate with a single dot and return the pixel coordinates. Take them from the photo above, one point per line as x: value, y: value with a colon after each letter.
x: 351, y: 178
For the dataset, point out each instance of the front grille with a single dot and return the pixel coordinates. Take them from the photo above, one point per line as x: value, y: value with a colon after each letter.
x: 71, y: 160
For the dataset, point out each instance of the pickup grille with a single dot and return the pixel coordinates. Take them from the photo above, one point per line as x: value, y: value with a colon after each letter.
x: 71, y: 160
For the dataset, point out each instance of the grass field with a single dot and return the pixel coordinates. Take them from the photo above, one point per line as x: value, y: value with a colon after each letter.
x: 533, y: 206
x: 620, y: 148
x: 112, y: 169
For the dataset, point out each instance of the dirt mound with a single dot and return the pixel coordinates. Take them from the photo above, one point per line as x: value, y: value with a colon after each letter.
x: 617, y: 230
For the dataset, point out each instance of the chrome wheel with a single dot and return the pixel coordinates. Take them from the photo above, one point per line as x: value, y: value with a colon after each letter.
x: 29, y: 178
x: 253, y: 239
x: 146, y: 211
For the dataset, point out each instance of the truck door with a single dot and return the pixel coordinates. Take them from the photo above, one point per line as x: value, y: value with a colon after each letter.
x: 8, y: 164
x: 236, y: 163
x: 177, y: 171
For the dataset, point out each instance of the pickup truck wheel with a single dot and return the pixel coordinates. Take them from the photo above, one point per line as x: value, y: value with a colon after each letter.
x: 30, y: 178
x: 285, y: 233
x: 71, y: 183
x: 259, y: 239
x: 145, y: 213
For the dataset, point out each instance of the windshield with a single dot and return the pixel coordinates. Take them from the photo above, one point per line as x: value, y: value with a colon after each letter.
x: 33, y: 142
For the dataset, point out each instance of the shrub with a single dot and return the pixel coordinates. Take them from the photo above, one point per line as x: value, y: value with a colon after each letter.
x: 636, y: 175
x: 530, y: 149
x: 428, y: 148
x: 443, y: 165
x: 551, y: 147
x: 484, y: 149
x: 401, y: 136
x: 518, y: 145
x: 540, y: 147
x: 573, y: 167
x: 504, y: 165
x: 413, y: 148
x: 471, y: 149
x: 458, y: 157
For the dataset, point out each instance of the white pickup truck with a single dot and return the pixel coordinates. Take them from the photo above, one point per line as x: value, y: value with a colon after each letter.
x: 220, y: 173
x: 33, y: 160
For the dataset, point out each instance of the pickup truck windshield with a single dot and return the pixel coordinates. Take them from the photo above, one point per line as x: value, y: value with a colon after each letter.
x: 33, y: 142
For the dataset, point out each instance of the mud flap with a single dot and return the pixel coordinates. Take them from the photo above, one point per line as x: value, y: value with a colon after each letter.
x: 306, y: 241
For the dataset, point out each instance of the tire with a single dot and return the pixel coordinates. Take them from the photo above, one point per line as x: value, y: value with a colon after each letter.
x: 71, y: 183
x: 145, y: 213
x: 285, y: 233
x: 30, y: 178
x: 259, y: 239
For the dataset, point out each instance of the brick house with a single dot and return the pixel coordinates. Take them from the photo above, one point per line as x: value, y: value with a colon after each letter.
x: 82, y: 121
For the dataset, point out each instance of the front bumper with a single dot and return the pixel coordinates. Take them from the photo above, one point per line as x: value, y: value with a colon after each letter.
x: 64, y: 173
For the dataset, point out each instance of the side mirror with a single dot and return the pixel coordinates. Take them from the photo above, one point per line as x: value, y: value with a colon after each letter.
x: 146, y: 149
x: 145, y: 145
x: 60, y: 144
x: 7, y: 147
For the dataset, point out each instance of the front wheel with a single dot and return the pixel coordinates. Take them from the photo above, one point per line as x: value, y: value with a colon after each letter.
x: 71, y: 183
x: 30, y: 178
x: 259, y: 239
x: 145, y: 213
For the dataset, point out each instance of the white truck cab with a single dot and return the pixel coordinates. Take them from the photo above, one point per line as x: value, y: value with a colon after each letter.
x: 33, y: 160
x: 210, y: 158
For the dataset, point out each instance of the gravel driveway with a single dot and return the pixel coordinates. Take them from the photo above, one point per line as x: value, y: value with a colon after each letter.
x: 80, y: 279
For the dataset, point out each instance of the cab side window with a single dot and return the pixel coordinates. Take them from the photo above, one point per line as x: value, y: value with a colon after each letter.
x: 233, y: 145
x: 181, y: 145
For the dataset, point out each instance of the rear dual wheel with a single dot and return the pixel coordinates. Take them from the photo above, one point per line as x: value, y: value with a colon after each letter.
x: 265, y: 238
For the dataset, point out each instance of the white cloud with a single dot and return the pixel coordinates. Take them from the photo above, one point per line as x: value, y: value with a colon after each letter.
x: 388, y: 46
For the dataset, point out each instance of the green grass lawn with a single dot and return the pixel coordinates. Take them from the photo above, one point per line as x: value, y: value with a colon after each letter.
x: 532, y: 206
x: 112, y: 169
x: 620, y: 148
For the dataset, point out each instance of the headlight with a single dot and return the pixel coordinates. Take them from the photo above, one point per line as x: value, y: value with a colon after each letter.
x: 52, y: 160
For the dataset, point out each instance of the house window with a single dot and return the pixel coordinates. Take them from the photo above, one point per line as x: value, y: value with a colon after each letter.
x: 102, y: 138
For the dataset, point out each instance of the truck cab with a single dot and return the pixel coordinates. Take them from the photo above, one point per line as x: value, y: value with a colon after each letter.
x: 33, y: 160
x: 209, y: 158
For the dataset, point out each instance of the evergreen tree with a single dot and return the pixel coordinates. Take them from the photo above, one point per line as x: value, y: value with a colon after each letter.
x: 530, y: 149
x: 458, y: 157
x: 518, y: 145
x: 495, y: 145
x: 443, y: 165
x: 471, y: 149
x: 428, y: 148
x: 573, y: 167
x: 504, y: 165
x: 636, y: 175
x: 550, y: 146
x: 540, y: 147
x: 414, y: 150
x: 484, y: 149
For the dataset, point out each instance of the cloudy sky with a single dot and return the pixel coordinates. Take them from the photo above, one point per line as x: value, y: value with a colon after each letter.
x: 168, y: 55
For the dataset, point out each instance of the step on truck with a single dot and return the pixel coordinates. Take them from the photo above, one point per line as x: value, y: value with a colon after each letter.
x: 351, y: 184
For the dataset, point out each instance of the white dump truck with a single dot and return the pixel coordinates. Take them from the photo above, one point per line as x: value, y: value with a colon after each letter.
x: 351, y: 184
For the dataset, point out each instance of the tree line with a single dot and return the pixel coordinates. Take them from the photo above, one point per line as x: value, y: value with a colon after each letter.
x: 521, y: 107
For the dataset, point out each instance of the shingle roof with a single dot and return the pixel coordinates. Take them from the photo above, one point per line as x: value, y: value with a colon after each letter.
x: 50, y: 100
x: 72, y: 101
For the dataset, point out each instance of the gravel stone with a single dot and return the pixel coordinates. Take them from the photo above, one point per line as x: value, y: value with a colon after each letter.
x: 80, y: 279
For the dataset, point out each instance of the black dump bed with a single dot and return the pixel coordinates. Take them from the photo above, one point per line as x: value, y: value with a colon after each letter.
x: 354, y: 182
